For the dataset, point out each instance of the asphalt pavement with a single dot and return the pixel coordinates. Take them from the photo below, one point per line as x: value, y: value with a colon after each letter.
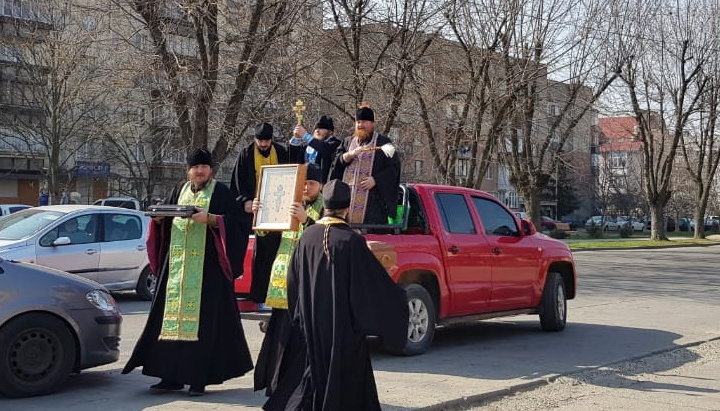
x: 630, y: 305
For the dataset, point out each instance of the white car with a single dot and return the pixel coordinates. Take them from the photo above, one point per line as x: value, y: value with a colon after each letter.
x: 123, y: 202
x: 103, y: 244
x: 7, y: 209
x: 630, y: 222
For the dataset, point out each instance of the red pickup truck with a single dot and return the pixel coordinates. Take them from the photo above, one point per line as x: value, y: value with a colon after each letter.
x: 462, y: 256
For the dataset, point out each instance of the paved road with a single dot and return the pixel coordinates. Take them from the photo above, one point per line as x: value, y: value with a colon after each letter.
x: 630, y: 304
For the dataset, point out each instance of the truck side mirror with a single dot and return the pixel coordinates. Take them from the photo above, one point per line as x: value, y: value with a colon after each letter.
x: 528, y: 228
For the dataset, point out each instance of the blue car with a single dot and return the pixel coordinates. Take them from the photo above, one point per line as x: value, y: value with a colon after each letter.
x: 52, y: 324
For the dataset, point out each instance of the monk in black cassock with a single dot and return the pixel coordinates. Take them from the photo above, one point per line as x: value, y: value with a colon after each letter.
x: 193, y: 335
x: 368, y: 163
x: 272, y: 358
x: 245, y: 180
x: 338, y: 293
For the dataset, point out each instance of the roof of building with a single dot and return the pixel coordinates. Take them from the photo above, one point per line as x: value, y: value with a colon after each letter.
x: 618, y: 134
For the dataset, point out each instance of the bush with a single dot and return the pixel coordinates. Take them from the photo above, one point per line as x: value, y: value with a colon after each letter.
x: 558, y: 234
x: 595, y: 230
x: 625, y: 231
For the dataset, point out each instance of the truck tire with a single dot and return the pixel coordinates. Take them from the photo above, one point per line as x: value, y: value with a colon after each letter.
x: 37, y: 354
x: 421, y: 325
x: 146, y: 284
x: 553, y: 307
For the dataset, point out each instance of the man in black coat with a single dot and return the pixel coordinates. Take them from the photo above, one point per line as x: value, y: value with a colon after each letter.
x: 244, y: 183
x: 338, y: 294
x: 318, y: 148
x: 368, y: 163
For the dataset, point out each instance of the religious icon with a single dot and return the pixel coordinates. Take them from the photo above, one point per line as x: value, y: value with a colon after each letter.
x: 299, y: 110
x: 280, y: 186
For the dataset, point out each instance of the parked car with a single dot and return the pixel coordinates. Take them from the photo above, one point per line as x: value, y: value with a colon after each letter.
x: 684, y: 224
x: 123, y: 202
x: 607, y: 223
x: 635, y: 224
x: 52, y: 324
x: 7, y: 209
x: 547, y: 223
x: 103, y: 244
x: 571, y: 222
x: 462, y: 256
x: 711, y: 224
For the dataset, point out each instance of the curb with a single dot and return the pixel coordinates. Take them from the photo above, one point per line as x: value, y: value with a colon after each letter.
x: 467, y: 402
x: 649, y: 247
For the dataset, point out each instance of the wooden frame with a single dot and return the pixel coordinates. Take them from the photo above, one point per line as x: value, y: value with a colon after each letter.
x: 280, y: 186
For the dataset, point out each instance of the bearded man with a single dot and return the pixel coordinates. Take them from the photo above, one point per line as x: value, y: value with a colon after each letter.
x: 367, y: 162
x: 193, y: 335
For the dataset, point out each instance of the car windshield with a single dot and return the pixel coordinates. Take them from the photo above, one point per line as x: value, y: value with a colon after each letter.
x: 26, y: 223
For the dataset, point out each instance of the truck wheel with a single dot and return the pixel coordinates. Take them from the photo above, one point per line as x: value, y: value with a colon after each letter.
x: 553, y: 307
x: 146, y: 284
x: 421, y: 325
x: 37, y: 354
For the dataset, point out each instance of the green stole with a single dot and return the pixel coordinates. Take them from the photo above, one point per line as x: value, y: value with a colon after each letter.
x: 277, y: 290
x: 181, y: 319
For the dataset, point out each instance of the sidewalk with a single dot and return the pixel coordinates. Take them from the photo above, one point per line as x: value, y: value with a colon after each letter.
x: 676, y: 380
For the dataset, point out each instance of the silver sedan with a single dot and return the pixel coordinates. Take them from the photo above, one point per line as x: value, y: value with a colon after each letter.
x: 51, y: 324
x: 103, y: 244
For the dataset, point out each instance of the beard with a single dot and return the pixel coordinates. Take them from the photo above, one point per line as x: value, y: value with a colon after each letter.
x: 265, y: 153
x: 309, y: 200
x: 363, y: 135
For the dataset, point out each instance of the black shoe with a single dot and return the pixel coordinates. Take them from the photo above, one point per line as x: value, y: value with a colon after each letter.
x: 196, y: 390
x: 166, y: 386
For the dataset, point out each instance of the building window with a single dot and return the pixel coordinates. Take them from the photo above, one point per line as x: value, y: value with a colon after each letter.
x: 461, y: 167
x: 618, y: 159
x: 418, y: 167
x: 490, y: 173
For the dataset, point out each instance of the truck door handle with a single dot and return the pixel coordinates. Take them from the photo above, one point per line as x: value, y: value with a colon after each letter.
x: 90, y: 251
x: 141, y: 248
x: 454, y: 249
x: 496, y: 251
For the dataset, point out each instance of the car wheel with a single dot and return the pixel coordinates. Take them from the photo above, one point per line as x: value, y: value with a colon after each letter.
x: 421, y: 324
x: 146, y: 284
x: 37, y: 354
x: 553, y: 307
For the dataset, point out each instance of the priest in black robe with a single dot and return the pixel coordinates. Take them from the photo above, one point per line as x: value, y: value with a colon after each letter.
x: 338, y: 294
x: 193, y: 335
x: 244, y: 183
x: 369, y: 164
x: 316, y: 148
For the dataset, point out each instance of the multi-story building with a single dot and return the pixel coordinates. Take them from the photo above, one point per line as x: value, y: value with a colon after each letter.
x: 619, y: 163
x: 21, y: 160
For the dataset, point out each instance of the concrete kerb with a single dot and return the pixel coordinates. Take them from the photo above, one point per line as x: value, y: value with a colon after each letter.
x: 649, y: 247
x: 467, y: 402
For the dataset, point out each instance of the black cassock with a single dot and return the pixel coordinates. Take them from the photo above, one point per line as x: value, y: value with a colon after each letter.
x: 221, y: 351
x: 334, y: 305
x: 382, y: 199
x: 243, y: 185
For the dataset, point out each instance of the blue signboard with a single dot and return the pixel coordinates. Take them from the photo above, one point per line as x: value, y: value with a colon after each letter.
x: 92, y: 169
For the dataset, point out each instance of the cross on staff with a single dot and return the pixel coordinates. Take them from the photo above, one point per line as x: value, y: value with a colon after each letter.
x: 299, y: 110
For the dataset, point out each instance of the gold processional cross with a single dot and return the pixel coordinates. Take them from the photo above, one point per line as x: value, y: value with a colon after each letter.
x: 299, y: 109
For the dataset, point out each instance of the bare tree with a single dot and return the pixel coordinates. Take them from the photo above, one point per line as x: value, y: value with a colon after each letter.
x: 236, y: 39
x: 570, y: 41
x: 61, y: 78
x: 666, y: 86
x: 701, y: 150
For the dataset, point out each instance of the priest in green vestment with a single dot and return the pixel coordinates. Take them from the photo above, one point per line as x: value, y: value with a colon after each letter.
x: 272, y: 357
x: 193, y: 334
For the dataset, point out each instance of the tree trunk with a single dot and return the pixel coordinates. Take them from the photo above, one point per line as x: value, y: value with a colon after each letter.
x: 531, y: 196
x: 702, y: 197
x: 657, y: 229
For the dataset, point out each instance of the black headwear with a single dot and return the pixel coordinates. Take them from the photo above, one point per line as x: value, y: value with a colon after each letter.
x: 313, y: 172
x: 264, y: 132
x: 365, y: 113
x: 325, y: 122
x: 200, y: 156
x: 336, y: 195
